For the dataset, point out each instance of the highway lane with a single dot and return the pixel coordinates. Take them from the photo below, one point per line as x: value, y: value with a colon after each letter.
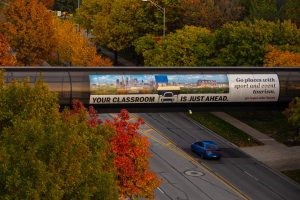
x: 183, y: 178
x: 252, y: 178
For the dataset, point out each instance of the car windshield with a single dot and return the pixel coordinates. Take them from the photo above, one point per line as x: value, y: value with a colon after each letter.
x: 168, y: 94
x: 211, y: 147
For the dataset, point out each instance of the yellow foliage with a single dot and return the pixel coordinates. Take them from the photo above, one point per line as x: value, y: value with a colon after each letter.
x: 278, y: 58
x: 73, y: 48
x: 99, y: 61
x: 29, y: 30
x: 6, y: 57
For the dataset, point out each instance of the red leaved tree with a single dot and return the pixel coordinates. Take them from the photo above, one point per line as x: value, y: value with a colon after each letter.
x: 129, y: 150
x: 132, y: 159
x: 92, y: 119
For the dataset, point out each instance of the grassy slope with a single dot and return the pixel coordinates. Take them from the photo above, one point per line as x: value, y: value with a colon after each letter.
x: 272, y: 123
x: 224, y: 129
x: 293, y: 174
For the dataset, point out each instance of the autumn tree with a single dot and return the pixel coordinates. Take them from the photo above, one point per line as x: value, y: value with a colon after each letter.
x: 6, y: 57
x: 45, y: 154
x: 209, y: 13
x: 73, y: 48
x: 29, y: 28
x: 279, y: 58
x: 131, y: 158
x: 47, y: 3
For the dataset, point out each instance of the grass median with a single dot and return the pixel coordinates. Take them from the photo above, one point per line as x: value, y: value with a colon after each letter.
x: 293, y: 174
x: 272, y: 123
x: 224, y: 129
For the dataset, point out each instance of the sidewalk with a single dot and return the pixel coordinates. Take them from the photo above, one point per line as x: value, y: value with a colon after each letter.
x: 273, y: 153
x: 121, y: 60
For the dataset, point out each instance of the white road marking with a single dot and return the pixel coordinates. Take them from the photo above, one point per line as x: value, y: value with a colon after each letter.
x: 251, y: 175
x: 162, y: 116
x: 160, y: 190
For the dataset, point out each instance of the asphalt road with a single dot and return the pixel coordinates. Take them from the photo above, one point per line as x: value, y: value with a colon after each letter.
x: 183, y: 178
x: 250, y: 177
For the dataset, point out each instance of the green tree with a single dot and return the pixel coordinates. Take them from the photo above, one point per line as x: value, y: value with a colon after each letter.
x: 113, y: 26
x: 235, y: 44
x: 286, y: 36
x: 116, y: 24
x: 244, y: 43
x: 263, y: 9
x: 66, y: 5
x: 173, y: 16
x: 48, y: 3
x: 190, y: 46
x: 293, y: 115
x: 29, y: 28
x: 87, y: 11
x: 290, y: 10
x: 48, y: 155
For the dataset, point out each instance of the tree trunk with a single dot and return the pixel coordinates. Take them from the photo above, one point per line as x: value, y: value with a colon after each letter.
x: 116, y: 58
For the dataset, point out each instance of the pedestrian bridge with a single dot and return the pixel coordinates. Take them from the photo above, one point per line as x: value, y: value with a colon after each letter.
x: 151, y: 89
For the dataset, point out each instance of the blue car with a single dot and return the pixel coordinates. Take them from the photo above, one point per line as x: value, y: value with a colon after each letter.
x: 207, y: 149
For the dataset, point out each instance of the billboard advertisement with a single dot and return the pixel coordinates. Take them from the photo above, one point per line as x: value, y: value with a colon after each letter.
x: 183, y: 88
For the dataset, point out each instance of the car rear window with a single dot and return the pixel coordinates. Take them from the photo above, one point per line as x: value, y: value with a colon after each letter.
x: 211, y: 147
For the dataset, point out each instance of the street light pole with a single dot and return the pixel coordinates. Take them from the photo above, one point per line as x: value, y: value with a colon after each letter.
x: 78, y: 6
x: 164, y: 32
x: 163, y: 10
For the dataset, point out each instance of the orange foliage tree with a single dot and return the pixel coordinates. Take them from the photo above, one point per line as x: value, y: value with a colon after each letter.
x: 73, y: 48
x: 29, y: 28
x: 6, y: 57
x: 131, y: 159
x: 277, y: 57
